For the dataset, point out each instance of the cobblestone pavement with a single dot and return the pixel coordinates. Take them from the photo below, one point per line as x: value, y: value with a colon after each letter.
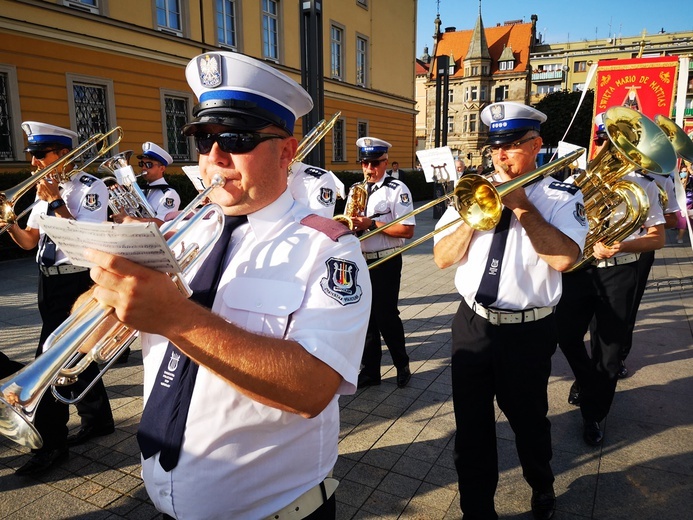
x: 396, y: 444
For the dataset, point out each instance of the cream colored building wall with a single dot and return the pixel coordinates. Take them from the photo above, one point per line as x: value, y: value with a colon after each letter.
x: 124, y: 48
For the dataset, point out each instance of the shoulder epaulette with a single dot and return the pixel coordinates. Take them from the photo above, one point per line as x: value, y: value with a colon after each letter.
x: 564, y: 186
x: 315, y: 172
x: 391, y: 182
x: 327, y: 226
x: 87, y: 179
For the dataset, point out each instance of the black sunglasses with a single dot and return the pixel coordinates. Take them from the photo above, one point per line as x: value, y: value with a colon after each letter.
x: 372, y: 162
x: 145, y: 164
x: 232, y: 142
x: 41, y: 154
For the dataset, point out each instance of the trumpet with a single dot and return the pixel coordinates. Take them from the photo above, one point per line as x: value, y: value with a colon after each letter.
x: 9, y: 198
x: 61, y: 361
x: 477, y: 201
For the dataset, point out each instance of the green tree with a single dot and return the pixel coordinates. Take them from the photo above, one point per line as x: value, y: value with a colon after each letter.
x: 559, y: 108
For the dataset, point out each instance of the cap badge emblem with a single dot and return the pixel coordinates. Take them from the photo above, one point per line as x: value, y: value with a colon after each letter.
x: 498, y: 112
x: 210, y: 71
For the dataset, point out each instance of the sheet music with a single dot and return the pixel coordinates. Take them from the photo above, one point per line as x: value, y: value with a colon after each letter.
x: 438, y: 164
x: 140, y: 242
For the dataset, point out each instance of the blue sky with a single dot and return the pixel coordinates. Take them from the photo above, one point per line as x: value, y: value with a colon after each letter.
x: 559, y: 20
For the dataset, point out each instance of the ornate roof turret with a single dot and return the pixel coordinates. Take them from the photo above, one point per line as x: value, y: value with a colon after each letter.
x: 478, y: 48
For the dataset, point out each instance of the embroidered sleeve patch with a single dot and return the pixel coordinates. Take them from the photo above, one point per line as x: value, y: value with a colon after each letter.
x: 326, y: 197
x: 404, y: 199
x: 168, y: 202
x: 91, y: 202
x: 580, y: 214
x: 340, y: 284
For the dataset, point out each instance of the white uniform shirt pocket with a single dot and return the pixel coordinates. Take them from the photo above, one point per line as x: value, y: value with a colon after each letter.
x: 262, y: 305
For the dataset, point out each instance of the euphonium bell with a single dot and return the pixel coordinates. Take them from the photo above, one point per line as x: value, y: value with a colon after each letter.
x: 124, y: 195
x: 635, y: 143
x: 62, y: 360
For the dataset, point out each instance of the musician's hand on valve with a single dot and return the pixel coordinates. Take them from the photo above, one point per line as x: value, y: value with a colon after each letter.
x: 361, y: 223
x: 48, y: 189
x: 142, y: 298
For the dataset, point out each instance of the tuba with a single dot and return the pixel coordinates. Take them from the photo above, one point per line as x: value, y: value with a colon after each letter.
x: 9, y: 198
x: 124, y: 195
x: 62, y: 360
x: 635, y: 142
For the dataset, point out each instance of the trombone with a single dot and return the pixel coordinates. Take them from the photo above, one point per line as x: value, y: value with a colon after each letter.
x: 9, y: 198
x: 60, y: 362
x: 313, y: 137
x: 477, y: 201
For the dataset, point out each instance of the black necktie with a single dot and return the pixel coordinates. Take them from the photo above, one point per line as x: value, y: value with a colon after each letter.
x: 488, y: 287
x: 47, y: 245
x: 163, y: 419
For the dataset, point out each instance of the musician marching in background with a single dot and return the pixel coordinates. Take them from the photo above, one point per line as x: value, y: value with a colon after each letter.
x: 161, y: 197
x: 69, y: 194
x: 387, y: 199
x: 600, y: 295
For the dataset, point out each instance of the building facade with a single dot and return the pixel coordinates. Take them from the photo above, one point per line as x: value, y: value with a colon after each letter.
x: 509, y: 62
x: 90, y: 65
x: 565, y: 66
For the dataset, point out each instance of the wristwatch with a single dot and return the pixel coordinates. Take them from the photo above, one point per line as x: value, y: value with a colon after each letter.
x: 57, y: 203
x: 372, y: 227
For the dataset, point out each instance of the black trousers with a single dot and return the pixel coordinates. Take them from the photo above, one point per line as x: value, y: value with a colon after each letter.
x: 601, y: 301
x: 645, y: 263
x: 56, y: 295
x: 512, y: 364
x: 384, y: 319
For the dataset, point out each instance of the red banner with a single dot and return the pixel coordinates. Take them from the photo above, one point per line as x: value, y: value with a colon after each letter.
x: 647, y: 85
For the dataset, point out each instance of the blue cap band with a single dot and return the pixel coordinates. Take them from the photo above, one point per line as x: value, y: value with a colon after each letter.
x: 275, y: 108
x: 60, y: 139
x: 372, y: 149
x: 156, y: 156
x: 511, y: 125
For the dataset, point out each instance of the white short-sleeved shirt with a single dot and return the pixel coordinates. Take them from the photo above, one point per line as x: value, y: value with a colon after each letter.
x: 526, y: 281
x: 85, y: 196
x: 316, y: 188
x: 655, y: 215
x: 389, y: 200
x: 666, y: 183
x: 241, y: 459
x: 163, y: 200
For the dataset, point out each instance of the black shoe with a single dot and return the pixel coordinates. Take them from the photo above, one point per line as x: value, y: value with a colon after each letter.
x: 592, y: 433
x: 43, y: 460
x: 87, y: 432
x: 543, y: 504
x: 365, y: 380
x: 622, y: 370
x: 403, y: 376
x: 123, y: 358
x: 574, y: 394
